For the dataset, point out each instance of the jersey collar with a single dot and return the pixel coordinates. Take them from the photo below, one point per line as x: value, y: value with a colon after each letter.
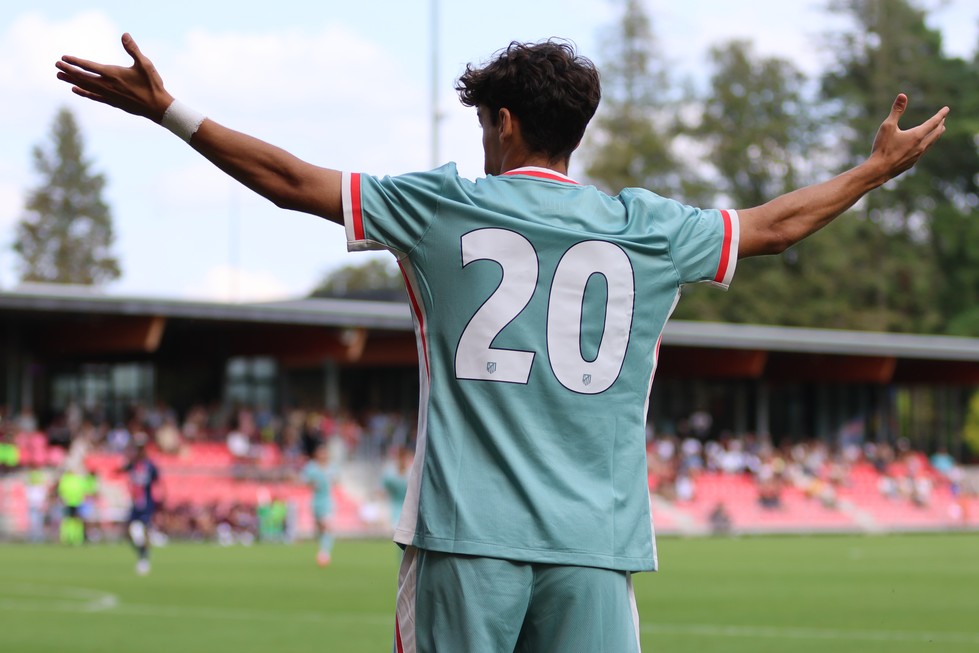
x: 541, y: 173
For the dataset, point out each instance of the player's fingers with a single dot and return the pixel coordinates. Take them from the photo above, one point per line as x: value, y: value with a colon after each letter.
x: 129, y: 45
x: 84, y: 64
x: 933, y: 134
x: 82, y: 80
x: 897, y: 109
x: 936, y: 120
x: 71, y: 73
x: 88, y: 94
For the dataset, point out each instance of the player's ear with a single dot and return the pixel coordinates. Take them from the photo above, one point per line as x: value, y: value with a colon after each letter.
x: 505, y: 123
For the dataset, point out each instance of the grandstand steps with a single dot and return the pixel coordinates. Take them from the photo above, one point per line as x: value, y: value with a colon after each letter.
x: 205, y: 474
x: 668, y: 518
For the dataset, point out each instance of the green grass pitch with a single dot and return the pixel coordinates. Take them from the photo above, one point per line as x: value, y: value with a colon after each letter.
x: 887, y: 594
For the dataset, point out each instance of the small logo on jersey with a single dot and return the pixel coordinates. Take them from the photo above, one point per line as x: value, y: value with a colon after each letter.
x: 491, y: 367
x: 586, y: 379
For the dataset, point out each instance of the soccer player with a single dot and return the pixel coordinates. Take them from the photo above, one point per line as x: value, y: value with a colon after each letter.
x: 72, y: 490
x: 394, y: 480
x: 538, y: 305
x: 143, y: 477
x: 319, y: 473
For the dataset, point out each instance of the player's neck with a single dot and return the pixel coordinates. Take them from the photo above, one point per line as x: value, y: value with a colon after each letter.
x: 531, y: 160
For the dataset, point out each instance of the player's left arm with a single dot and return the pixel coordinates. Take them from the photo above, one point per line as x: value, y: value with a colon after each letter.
x: 270, y: 171
x: 787, y: 219
x: 158, y: 488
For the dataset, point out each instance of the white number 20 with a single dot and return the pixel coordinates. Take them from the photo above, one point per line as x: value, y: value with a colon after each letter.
x: 477, y: 359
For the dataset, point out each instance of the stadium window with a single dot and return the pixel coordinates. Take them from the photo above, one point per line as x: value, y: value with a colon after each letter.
x: 251, y: 382
x: 106, y: 389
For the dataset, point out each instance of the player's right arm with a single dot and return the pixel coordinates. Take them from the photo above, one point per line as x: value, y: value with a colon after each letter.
x: 270, y: 171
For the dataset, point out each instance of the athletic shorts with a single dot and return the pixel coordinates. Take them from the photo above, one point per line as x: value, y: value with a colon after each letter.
x: 144, y: 515
x: 322, y: 510
x: 465, y: 604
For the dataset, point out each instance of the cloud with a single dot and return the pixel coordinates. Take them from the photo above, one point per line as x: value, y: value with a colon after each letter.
x: 326, y: 94
x: 229, y: 284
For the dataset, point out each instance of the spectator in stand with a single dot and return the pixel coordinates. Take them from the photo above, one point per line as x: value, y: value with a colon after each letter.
x: 720, y: 519
x: 316, y: 428
x: 685, y: 487
x: 692, y: 451
x: 118, y: 439
x: 291, y: 443
x: 194, y: 427
x: 350, y: 431
x: 240, y: 447
x: 36, y: 494
x: 26, y: 421
x: 82, y: 441
x: 167, y: 435
x: 942, y: 461
x: 9, y: 452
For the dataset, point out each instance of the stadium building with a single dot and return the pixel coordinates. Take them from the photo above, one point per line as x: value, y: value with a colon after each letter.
x: 63, y: 344
x: 724, y: 385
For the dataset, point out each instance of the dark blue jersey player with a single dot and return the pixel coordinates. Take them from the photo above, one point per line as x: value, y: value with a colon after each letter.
x: 142, y: 477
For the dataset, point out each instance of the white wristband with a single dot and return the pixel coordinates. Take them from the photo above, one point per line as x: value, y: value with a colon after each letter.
x: 182, y: 120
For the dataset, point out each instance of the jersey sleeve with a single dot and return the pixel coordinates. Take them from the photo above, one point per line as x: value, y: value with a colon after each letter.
x: 391, y: 212
x: 703, y: 243
x: 704, y: 246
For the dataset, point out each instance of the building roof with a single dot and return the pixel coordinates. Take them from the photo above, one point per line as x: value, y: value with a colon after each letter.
x: 396, y: 316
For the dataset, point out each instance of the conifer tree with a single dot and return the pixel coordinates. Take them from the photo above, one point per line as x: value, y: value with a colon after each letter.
x: 65, y: 234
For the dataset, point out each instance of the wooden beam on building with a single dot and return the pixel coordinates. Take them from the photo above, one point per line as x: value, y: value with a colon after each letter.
x: 711, y: 363
x: 103, y: 336
x: 937, y: 372
x: 830, y: 368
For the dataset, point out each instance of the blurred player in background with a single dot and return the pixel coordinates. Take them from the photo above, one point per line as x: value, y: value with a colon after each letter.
x: 394, y: 480
x: 320, y: 473
x: 538, y: 305
x: 72, y: 490
x: 143, y: 478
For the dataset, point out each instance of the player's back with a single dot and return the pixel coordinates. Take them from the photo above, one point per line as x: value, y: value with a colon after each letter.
x: 539, y: 303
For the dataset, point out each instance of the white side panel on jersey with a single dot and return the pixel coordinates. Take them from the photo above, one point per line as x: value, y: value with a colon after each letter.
x: 404, y: 533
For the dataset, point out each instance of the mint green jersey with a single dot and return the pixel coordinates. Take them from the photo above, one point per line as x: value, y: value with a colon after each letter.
x: 320, y: 478
x: 539, y: 305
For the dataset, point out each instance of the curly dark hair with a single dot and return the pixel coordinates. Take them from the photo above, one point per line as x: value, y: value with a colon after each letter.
x: 552, y: 91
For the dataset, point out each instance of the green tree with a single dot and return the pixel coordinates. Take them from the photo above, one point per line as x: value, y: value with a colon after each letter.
x: 757, y: 124
x: 761, y: 134
x: 376, y: 279
x: 631, y: 141
x: 65, y: 235
x: 925, y: 228
x: 970, y: 430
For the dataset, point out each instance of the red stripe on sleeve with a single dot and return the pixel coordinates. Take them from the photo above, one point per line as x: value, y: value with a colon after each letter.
x: 725, y: 248
x: 358, y: 216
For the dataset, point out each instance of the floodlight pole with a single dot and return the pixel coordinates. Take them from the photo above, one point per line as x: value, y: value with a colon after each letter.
x: 436, y: 114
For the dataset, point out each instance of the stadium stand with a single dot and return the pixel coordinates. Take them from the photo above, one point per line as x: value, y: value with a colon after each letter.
x: 697, y: 486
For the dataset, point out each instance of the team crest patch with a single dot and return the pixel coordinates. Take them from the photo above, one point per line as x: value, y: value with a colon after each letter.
x: 586, y: 379
x: 491, y: 367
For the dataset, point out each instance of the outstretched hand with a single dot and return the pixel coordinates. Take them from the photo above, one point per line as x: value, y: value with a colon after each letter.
x: 898, y: 150
x: 137, y: 89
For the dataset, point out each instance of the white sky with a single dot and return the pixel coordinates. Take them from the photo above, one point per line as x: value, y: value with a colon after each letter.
x: 345, y: 85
